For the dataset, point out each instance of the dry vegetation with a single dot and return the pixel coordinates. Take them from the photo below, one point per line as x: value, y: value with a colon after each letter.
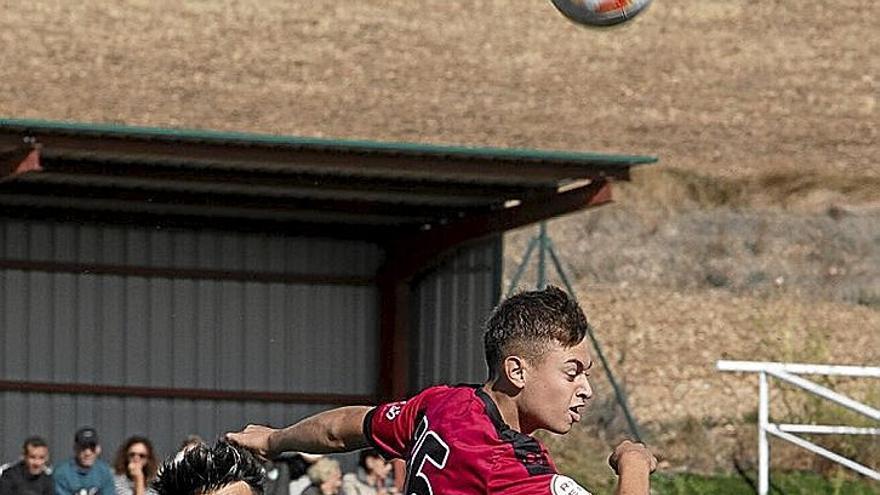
x: 726, y: 87
x: 756, y: 238
x: 684, y: 271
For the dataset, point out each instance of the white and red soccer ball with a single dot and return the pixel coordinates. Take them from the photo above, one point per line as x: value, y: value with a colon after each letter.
x: 600, y: 13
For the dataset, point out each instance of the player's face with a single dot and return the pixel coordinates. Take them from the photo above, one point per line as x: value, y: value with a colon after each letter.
x: 557, y: 389
x: 35, y: 458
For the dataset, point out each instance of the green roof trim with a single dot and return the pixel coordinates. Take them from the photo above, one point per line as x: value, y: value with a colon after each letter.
x: 127, y: 131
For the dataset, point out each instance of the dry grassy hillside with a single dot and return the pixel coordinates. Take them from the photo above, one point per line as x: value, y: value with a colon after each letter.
x: 717, y: 86
x: 690, y: 272
x: 756, y: 237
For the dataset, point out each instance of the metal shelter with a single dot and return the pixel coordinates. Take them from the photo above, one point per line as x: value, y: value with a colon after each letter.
x: 417, y: 203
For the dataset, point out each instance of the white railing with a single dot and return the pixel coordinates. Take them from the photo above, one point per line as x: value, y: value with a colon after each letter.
x: 789, y: 373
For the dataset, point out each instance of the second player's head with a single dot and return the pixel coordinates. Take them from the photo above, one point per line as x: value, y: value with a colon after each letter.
x: 221, y: 469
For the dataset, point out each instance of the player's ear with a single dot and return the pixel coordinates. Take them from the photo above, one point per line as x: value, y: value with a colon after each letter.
x: 514, y: 370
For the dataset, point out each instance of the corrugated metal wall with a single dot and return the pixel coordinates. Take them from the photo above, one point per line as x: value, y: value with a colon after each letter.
x: 450, y: 304
x: 160, y: 332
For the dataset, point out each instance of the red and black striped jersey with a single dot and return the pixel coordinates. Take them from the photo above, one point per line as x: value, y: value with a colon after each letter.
x: 454, y: 441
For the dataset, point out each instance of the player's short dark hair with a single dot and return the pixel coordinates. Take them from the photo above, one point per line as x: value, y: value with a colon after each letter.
x: 203, y: 469
x: 526, y: 323
x: 33, y: 442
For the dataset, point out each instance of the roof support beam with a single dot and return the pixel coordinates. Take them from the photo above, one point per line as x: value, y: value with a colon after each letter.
x: 412, y: 254
x: 63, y: 211
x: 424, y: 190
x: 394, y: 339
x: 327, y: 158
x: 19, y: 162
x: 194, y: 394
x: 216, y: 203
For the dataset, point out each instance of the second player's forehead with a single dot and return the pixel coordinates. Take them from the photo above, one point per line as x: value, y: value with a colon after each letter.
x: 237, y: 488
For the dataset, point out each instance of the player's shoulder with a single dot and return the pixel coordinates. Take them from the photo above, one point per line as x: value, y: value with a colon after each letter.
x: 449, y: 392
x: 457, y: 398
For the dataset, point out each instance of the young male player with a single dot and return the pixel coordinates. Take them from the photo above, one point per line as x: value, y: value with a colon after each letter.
x: 476, y: 439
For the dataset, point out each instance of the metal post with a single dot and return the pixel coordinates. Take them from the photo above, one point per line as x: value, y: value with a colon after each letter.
x: 545, y: 246
x: 788, y: 372
x: 763, y: 445
x: 522, y: 266
x: 827, y: 393
x: 816, y: 449
x: 618, y: 391
x: 542, y: 257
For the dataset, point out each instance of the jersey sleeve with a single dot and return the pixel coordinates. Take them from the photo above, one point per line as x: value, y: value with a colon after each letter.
x: 389, y: 427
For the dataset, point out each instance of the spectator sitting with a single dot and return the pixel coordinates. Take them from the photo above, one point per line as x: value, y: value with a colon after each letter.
x: 326, y: 477
x: 219, y: 470
x: 298, y: 465
x: 29, y: 476
x: 277, y: 477
x: 135, y: 467
x: 372, y: 476
x: 85, y: 472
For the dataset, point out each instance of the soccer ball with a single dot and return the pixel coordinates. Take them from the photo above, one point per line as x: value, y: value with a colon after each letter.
x: 600, y: 13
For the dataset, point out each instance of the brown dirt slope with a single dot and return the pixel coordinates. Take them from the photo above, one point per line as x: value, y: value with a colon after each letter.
x: 724, y: 87
x: 681, y: 274
x: 764, y: 115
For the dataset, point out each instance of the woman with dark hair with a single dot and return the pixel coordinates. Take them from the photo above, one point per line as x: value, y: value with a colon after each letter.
x: 134, y: 467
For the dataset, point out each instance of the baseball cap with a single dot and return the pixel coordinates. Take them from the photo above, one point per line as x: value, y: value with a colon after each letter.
x: 86, y: 437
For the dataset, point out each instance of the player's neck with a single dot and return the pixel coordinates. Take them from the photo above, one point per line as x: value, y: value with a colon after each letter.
x: 505, y: 402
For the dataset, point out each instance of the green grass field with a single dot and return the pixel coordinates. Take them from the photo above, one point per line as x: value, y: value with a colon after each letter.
x: 792, y: 483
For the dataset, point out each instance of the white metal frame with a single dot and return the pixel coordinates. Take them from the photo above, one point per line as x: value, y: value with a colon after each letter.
x: 788, y: 372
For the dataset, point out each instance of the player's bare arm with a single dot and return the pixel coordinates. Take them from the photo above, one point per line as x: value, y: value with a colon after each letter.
x: 336, y: 430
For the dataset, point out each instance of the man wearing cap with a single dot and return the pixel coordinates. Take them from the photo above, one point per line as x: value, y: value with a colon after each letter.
x: 84, y: 473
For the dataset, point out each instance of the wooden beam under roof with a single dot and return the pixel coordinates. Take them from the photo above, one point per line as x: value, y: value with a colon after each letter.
x: 452, y: 193
x: 419, y: 250
x: 378, y: 234
x: 43, y: 188
x: 248, y: 213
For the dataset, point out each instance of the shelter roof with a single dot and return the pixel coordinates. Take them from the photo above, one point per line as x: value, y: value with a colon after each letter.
x: 340, y: 187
